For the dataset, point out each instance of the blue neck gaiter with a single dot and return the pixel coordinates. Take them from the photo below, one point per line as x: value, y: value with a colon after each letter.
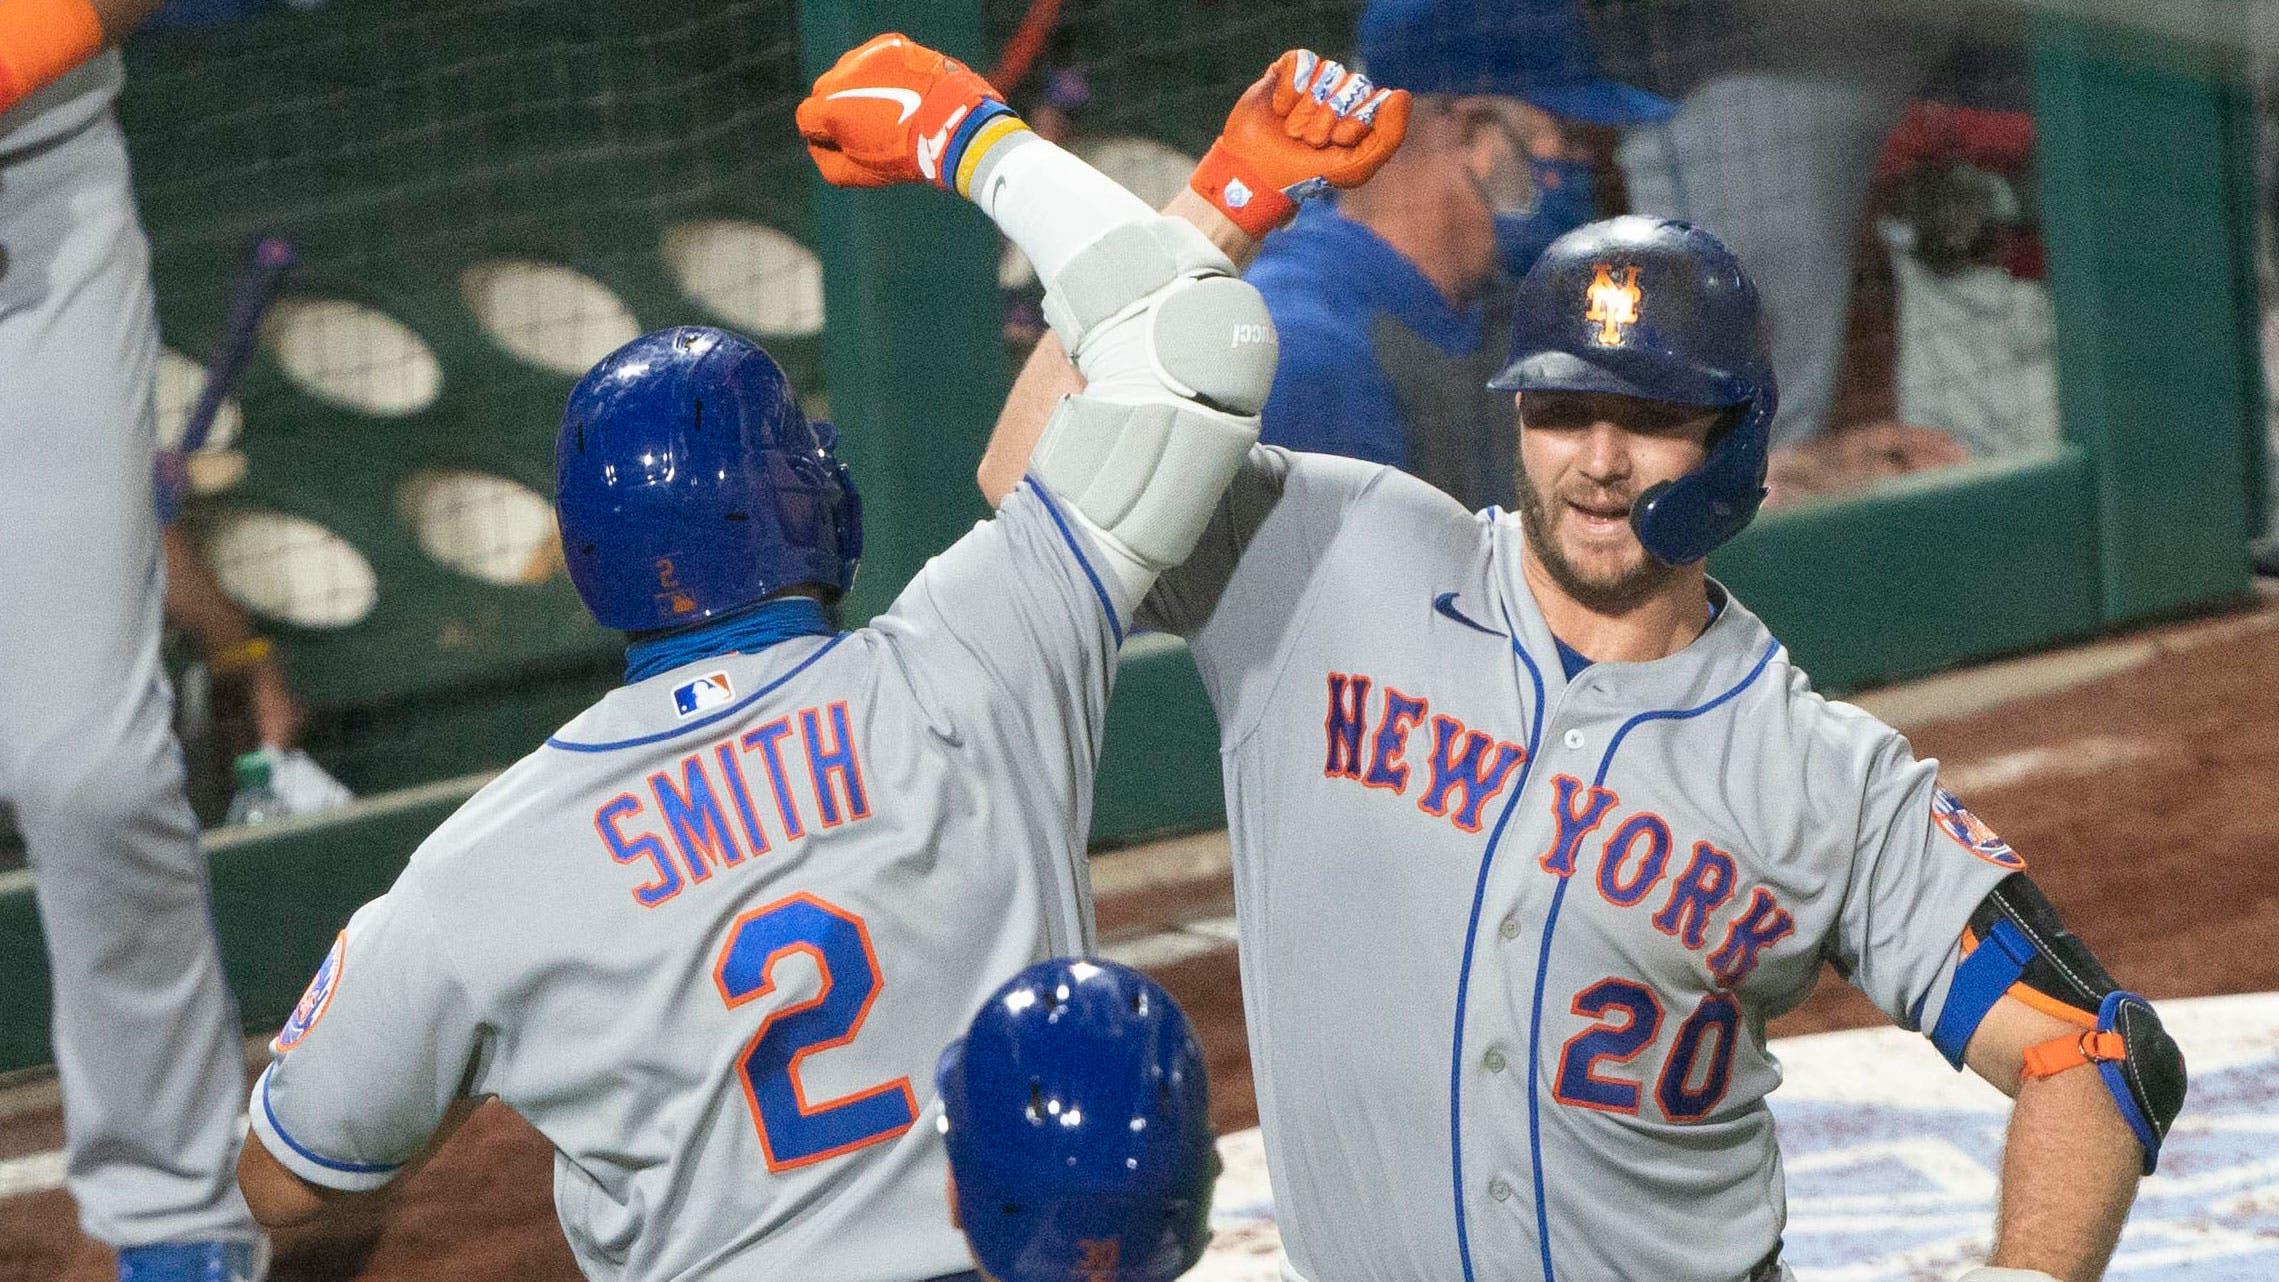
x: 753, y: 630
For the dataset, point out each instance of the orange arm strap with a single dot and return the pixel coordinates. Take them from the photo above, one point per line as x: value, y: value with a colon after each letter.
x: 40, y: 40
x: 2072, y: 1051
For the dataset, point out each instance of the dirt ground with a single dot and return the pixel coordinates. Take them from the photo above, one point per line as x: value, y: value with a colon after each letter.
x: 2146, y: 801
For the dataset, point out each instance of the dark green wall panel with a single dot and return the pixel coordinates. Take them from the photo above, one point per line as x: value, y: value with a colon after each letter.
x: 2154, y: 283
x: 911, y: 350
x: 1926, y: 572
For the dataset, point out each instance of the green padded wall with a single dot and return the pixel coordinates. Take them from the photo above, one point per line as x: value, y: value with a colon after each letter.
x: 399, y: 144
x: 1928, y: 571
x: 2143, y: 162
x: 911, y: 289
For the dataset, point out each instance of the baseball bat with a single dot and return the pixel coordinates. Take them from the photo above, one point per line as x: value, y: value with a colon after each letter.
x: 266, y: 266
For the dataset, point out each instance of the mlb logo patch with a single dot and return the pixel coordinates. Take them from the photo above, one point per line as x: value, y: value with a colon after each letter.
x: 314, y: 1002
x: 708, y: 691
x: 1970, y: 831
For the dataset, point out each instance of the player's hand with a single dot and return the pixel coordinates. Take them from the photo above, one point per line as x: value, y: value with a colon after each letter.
x: 1307, y: 125
x: 885, y: 111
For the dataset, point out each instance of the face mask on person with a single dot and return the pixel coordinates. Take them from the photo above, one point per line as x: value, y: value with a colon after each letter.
x: 1532, y: 199
x: 1564, y: 200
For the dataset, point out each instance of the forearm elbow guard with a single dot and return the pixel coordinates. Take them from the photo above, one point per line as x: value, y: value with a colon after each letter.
x: 1180, y: 356
x: 2022, y: 942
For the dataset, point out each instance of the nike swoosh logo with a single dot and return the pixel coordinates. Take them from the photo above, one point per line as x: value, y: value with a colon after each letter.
x: 930, y: 145
x: 908, y: 98
x: 1445, y: 603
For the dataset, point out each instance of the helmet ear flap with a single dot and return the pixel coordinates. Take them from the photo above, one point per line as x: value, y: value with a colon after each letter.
x: 851, y: 521
x: 1680, y: 522
x: 850, y: 505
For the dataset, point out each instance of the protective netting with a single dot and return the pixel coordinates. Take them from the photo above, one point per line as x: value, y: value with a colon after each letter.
x: 484, y: 198
x: 1871, y: 163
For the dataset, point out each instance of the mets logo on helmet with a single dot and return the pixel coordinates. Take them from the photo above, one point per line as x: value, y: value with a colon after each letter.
x: 1614, y: 303
x: 1098, y: 1260
x: 315, y: 1001
x: 1970, y: 831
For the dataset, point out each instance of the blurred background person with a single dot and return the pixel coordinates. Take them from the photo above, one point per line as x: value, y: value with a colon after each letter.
x: 235, y: 655
x: 1783, y: 108
x: 144, y: 1029
x: 1393, y: 302
x: 1974, y: 329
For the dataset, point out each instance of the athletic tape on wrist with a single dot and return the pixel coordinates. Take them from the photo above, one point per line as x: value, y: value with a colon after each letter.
x: 987, y: 125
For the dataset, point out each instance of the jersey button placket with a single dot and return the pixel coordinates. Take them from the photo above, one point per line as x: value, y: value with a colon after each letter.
x: 1494, y: 1059
x: 1575, y: 739
x: 1499, y: 1188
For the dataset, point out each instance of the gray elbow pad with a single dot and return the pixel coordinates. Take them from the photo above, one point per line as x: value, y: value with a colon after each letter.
x: 1196, y: 351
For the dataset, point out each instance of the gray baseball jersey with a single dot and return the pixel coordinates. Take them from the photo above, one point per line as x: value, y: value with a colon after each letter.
x: 711, y: 938
x: 1510, y: 939
x: 146, y: 1036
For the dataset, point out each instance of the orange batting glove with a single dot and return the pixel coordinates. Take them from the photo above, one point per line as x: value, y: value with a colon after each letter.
x: 1306, y: 126
x: 892, y: 110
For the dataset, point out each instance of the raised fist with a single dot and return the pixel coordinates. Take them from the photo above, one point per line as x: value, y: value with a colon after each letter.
x: 892, y: 110
x: 1305, y: 126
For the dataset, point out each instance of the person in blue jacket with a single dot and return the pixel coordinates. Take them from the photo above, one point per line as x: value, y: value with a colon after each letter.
x: 1392, y: 303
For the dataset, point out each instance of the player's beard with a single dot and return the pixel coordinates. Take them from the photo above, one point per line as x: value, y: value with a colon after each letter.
x: 1615, y: 590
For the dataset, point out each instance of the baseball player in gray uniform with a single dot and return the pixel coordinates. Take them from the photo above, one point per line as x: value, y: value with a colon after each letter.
x: 711, y: 938
x: 1536, y: 826
x: 145, y: 1033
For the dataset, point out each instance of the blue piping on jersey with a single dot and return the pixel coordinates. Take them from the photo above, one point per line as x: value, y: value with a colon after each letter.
x: 345, y: 1168
x: 1099, y: 589
x: 1543, y: 958
x: 1445, y: 603
x: 567, y: 745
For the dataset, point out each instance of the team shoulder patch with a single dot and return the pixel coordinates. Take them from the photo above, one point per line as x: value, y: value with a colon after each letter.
x: 1970, y: 832
x: 708, y: 691
x: 316, y: 1001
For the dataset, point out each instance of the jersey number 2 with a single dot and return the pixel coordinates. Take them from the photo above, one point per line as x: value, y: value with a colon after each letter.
x: 793, y: 1131
x: 1629, y: 1017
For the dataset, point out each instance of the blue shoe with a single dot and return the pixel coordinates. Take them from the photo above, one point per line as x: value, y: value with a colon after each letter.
x: 195, y: 1262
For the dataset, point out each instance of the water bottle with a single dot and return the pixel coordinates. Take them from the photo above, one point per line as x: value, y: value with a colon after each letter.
x: 256, y: 799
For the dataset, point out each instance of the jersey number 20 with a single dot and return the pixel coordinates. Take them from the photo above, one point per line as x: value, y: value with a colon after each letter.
x: 793, y: 1131
x: 1629, y: 1016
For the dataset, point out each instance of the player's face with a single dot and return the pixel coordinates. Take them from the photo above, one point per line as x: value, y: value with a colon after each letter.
x: 1584, y: 458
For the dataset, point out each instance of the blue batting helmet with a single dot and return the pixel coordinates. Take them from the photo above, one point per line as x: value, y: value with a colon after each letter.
x: 1662, y: 311
x: 689, y: 484
x: 1078, y: 1123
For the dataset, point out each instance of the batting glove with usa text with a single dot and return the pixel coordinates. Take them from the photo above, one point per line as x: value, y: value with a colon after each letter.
x: 1307, y: 125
